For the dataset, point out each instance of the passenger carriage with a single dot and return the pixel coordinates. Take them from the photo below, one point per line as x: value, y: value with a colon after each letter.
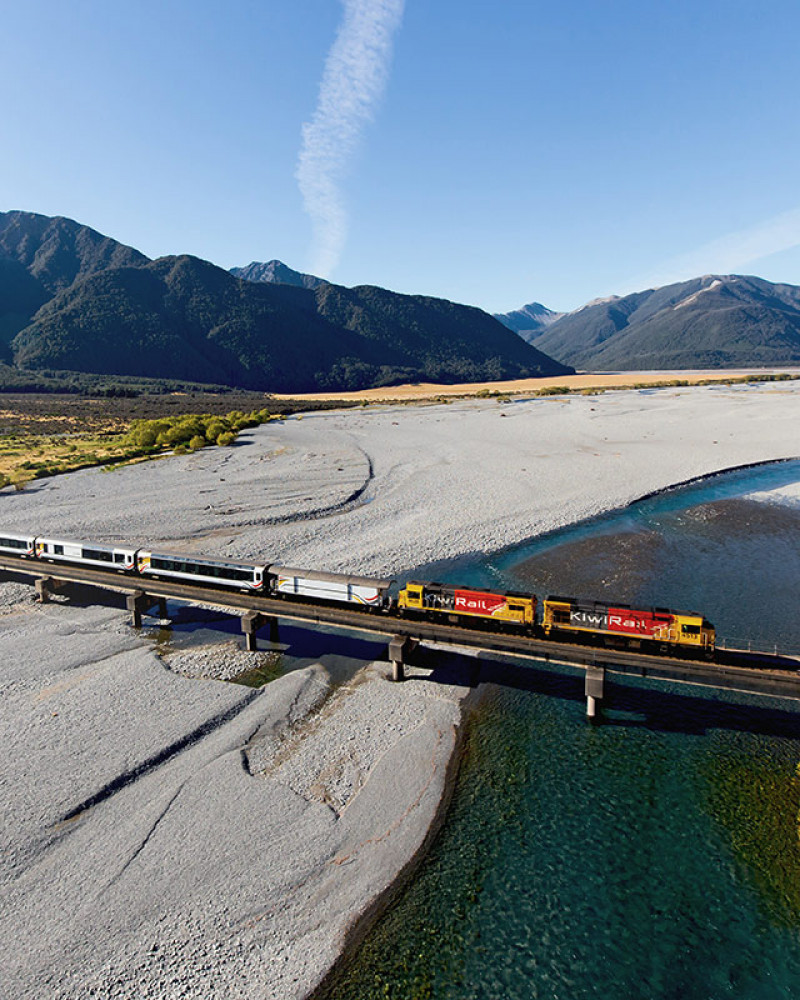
x: 197, y: 569
x: 18, y: 545
x: 87, y: 554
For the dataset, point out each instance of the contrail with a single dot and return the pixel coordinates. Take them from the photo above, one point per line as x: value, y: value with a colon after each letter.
x: 728, y: 254
x: 353, y: 81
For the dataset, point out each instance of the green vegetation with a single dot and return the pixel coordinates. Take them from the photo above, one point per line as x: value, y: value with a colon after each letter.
x: 757, y: 802
x: 198, y: 322
x: 49, y: 380
x: 43, y: 435
x: 192, y: 431
x: 96, y: 306
x: 554, y: 390
x: 269, y: 667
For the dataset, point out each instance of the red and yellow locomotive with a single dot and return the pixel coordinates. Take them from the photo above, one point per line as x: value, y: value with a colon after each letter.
x: 457, y: 603
x: 620, y: 624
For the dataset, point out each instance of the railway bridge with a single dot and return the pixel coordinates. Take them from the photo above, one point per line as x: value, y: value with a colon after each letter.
x: 747, y: 671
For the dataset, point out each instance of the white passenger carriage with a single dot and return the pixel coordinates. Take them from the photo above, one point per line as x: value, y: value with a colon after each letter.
x: 18, y: 545
x: 87, y: 553
x: 329, y: 586
x: 197, y: 569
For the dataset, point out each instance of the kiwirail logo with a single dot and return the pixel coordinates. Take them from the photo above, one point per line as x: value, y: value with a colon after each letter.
x: 353, y: 82
x: 479, y: 604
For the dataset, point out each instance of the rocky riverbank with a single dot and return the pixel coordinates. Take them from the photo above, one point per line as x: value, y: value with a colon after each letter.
x: 169, y: 834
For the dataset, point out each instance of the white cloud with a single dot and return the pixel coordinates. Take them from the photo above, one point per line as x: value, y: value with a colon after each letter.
x: 353, y: 81
x: 727, y: 255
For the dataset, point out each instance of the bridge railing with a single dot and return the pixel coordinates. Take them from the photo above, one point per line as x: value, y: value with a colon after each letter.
x: 733, y: 641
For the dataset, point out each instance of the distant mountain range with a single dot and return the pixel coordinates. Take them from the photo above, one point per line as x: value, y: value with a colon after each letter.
x: 73, y: 299
x: 716, y: 321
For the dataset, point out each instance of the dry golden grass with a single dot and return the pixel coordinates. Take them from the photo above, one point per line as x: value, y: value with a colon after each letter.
x: 531, y: 386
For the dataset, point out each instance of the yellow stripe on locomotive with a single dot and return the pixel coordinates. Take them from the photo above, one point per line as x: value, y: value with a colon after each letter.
x: 455, y: 602
x: 656, y: 625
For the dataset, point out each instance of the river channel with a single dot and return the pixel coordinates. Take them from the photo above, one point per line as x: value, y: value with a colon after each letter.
x: 654, y: 855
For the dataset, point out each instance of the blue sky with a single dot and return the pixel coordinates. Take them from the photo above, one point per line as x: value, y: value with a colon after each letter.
x: 497, y: 153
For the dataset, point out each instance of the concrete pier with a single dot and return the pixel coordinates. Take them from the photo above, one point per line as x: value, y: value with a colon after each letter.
x: 252, y: 621
x: 399, y: 648
x: 595, y: 680
x: 47, y: 586
x: 138, y: 603
x: 44, y: 587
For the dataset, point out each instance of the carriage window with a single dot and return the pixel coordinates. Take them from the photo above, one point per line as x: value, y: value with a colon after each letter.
x: 119, y: 557
x: 13, y: 543
x: 99, y: 555
x: 58, y: 550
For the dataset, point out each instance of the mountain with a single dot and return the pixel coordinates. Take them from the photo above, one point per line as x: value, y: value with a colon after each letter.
x: 276, y: 273
x: 529, y: 321
x: 71, y: 298
x: 40, y: 256
x: 716, y: 321
x: 57, y: 251
x: 180, y: 317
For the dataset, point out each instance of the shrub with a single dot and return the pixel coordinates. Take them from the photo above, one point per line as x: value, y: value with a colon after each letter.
x: 21, y: 477
x: 197, y: 442
x: 215, y: 428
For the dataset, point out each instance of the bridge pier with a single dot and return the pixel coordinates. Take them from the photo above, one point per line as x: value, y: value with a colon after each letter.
x: 252, y: 621
x: 137, y: 603
x: 595, y: 678
x: 162, y: 612
x: 45, y: 587
x: 399, y: 648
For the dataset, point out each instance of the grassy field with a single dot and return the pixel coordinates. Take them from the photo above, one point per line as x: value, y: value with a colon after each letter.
x: 49, y: 433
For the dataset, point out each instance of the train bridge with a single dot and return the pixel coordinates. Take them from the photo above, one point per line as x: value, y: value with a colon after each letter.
x: 747, y: 671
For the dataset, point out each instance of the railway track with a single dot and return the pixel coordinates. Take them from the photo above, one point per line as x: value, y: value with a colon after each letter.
x: 748, y: 671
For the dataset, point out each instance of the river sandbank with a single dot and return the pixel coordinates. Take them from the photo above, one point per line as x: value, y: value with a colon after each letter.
x: 169, y: 834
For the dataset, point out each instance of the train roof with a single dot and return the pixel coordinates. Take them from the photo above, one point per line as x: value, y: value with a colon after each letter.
x: 201, y: 560
x: 436, y: 585
x: 310, y: 574
x: 589, y: 605
x: 102, y: 546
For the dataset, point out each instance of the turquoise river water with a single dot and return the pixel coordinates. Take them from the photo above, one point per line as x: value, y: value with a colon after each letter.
x: 654, y: 855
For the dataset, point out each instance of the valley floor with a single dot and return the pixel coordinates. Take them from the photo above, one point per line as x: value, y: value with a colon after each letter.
x: 168, y: 834
x: 580, y: 382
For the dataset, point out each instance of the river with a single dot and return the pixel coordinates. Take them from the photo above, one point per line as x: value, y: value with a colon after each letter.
x: 652, y: 856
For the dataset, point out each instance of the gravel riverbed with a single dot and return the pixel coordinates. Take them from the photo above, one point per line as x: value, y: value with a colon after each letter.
x: 166, y: 833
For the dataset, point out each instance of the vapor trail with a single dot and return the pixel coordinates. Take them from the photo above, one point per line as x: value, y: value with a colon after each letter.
x: 728, y: 254
x: 353, y: 81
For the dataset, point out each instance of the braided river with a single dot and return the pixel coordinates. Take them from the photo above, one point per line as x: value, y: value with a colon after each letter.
x: 654, y: 855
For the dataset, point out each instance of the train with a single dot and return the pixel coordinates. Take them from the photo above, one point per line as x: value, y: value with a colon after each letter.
x: 563, y: 619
